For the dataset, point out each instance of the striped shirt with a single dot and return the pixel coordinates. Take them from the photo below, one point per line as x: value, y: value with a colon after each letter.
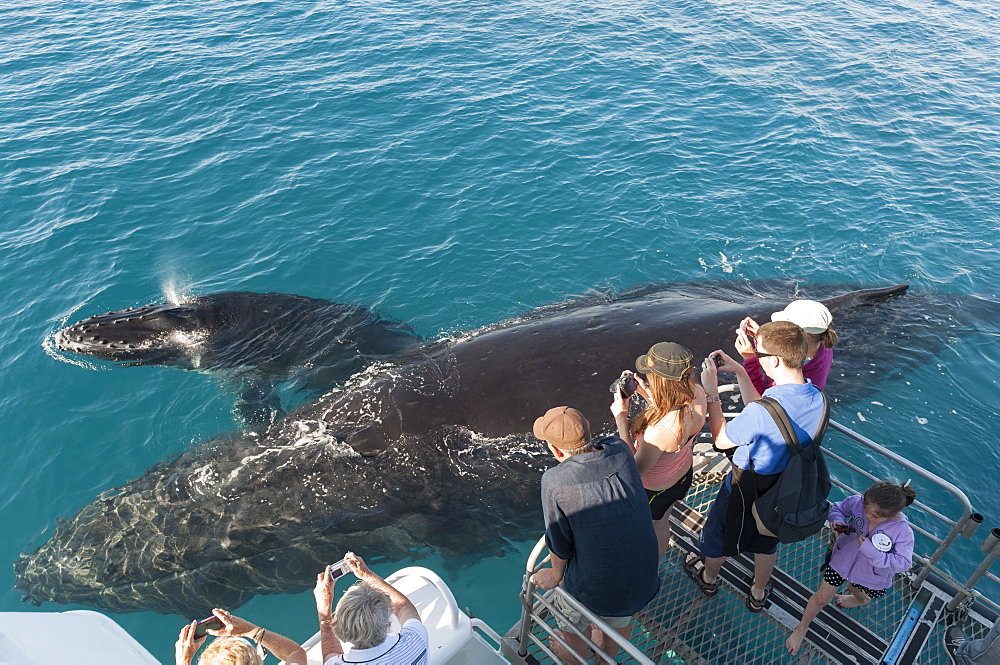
x: 409, y: 647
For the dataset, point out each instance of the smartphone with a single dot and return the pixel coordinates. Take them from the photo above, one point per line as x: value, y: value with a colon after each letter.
x: 339, y: 569
x: 202, y: 627
x: 719, y: 362
x: 626, y: 385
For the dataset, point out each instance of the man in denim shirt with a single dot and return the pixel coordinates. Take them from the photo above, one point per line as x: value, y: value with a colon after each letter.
x: 597, y: 527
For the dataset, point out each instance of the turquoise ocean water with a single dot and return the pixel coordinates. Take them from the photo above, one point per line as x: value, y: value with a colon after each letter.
x: 458, y: 163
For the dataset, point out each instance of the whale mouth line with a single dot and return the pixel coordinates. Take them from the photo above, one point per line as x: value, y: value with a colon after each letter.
x: 139, y: 334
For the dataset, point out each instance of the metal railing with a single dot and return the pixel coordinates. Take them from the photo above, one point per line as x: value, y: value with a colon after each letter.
x: 535, y: 606
x: 964, y: 526
x: 538, y: 610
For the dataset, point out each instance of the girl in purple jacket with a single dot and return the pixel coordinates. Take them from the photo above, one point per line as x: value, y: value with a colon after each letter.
x: 875, y: 542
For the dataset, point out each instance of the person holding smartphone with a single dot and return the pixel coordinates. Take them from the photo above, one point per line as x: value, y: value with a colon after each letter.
x: 662, y: 435
x: 238, y: 642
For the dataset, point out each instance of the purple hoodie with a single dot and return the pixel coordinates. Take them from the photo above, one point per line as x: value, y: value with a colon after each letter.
x: 886, y: 551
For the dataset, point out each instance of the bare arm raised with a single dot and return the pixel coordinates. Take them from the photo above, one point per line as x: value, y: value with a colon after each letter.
x: 401, y: 605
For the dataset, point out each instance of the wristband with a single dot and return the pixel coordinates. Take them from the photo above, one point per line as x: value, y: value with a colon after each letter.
x: 712, y: 398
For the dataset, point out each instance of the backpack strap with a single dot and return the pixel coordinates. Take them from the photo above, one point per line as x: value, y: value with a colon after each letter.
x: 824, y: 421
x: 785, y: 425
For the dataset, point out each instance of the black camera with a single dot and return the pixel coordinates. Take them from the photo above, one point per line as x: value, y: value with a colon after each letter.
x: 626, y: 385
x: 844, y: 529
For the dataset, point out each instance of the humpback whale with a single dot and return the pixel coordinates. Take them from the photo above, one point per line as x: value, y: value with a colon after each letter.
x: 429, y: 450
x: 272, y: 333
x: 252, y: 339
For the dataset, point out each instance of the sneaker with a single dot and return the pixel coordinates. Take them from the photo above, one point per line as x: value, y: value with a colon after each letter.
x: 953, y: 638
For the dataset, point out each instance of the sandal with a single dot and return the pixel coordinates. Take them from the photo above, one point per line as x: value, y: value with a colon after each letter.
x: 755, y: 605
x: 694, y: 567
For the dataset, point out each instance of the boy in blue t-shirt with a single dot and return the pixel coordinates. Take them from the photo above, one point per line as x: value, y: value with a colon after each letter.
x: 754, y: 437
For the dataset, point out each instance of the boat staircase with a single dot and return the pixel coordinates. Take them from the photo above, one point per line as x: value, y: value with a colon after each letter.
x: 681, y: 625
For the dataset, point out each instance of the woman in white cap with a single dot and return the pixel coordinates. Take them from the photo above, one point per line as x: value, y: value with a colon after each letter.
x: 663, y: 434
x: 815, y: 319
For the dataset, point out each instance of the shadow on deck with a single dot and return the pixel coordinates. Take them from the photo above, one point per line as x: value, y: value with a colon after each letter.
x: 681, y: 625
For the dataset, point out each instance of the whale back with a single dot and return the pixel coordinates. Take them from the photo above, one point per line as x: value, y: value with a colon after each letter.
x: 429, y: 451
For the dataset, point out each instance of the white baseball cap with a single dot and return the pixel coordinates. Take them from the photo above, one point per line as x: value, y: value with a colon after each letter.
x: 811, y: 316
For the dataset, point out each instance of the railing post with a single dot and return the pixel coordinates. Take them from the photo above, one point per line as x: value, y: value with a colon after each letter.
x: 527, y: 592
x: 991, y: 548
x: 966, y: 526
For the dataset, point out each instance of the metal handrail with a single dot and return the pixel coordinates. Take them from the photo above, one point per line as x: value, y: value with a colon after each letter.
x: 957, y: 526
x: 531, y: 601
x: 964, y: 526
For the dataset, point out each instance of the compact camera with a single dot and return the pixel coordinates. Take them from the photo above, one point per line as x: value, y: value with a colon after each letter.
x: 339, y: 569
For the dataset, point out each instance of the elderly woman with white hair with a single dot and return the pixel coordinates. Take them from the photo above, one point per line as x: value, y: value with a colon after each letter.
x: 238, y: 642
x: 362, y: 620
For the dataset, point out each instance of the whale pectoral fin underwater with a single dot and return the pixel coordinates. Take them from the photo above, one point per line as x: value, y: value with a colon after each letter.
x: 258, y: 405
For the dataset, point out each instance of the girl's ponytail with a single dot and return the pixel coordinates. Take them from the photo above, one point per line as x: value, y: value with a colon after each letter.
x: 908, y: 492
x: 829, y: 338
x: 888, y: 497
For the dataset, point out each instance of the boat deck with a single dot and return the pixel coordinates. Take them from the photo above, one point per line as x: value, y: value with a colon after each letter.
x: 681, y: 625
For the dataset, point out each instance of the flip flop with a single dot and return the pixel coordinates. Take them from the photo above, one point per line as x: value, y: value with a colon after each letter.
x: 755, y: 605
x: 694, y: 567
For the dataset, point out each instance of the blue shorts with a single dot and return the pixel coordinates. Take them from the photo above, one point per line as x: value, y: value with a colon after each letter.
x: 711, y: 538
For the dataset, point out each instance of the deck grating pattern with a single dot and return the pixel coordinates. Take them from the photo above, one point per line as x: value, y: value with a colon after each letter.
x: 683, y: 626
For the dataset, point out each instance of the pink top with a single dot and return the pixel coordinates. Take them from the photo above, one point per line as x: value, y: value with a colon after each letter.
x: 671, y: 467
x: 817, y: 369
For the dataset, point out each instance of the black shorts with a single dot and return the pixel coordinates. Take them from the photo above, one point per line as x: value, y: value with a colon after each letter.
x: 834, y: 579
x: 661, y: 500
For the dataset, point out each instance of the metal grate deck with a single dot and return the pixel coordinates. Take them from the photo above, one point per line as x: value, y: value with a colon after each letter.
x: 683, y: 626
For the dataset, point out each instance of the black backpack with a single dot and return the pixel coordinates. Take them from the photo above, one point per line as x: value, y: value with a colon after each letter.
x: 796, y: 506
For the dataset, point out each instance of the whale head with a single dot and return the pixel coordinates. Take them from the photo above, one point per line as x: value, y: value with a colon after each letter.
x: 152, y: 334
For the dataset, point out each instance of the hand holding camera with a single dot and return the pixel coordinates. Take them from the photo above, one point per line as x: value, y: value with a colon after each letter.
x: 625, y: 385
x: 745, y: 338
x: 842, y: 529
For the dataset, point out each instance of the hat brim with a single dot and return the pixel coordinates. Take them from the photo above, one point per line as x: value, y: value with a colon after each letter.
x: 640, y: 364
x: 537, y: 428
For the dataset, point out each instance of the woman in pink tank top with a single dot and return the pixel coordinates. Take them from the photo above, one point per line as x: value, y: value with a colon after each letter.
x: 663, y: 434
